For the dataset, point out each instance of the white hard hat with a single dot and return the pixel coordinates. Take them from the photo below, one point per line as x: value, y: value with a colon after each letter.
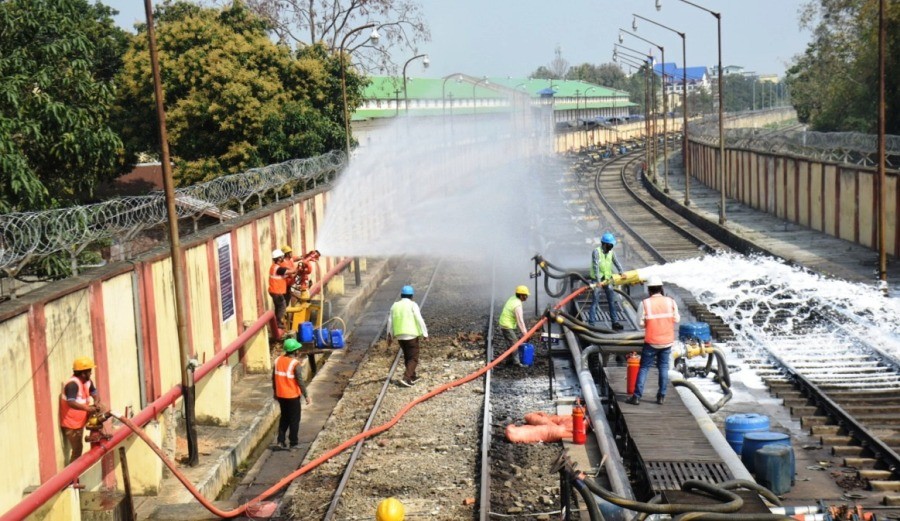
x: 654, y: 280
x: 277, y: 253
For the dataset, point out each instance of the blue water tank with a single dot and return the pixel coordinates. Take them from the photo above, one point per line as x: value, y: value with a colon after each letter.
x: 774, y: 468
x: 737, y: 425
x: 337, y: 338
x: 526, y: 354
x: 753, y: 441
x: 691, y: 330
x: 323, y: 337
x: 306, y: 332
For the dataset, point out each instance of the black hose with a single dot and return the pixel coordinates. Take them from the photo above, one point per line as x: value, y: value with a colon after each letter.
x: 655, y: 500
x: 589, y: 500
x: 724, y: 375
x: 714, y: 516
x: 731, y: 501
x: 750, y: 485
x: 709, y: 406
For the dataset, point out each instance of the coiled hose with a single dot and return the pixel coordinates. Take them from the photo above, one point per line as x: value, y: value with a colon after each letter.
x: 546, y: 266
x: 723, y: 377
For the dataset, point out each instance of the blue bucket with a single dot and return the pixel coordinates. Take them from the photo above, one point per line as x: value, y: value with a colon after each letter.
x: 306, y: 332
x: 737, y: 425
x: 526, y: 354
x: 753, y: 441
x: 691, y: 330
x: 323, y: 337
x: 774, y: 468
x: 337, y: 338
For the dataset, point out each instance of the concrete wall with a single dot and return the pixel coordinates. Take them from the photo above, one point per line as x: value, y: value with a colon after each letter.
x: 835, y: 198
x: 577, y: 139
x: 123, y: 316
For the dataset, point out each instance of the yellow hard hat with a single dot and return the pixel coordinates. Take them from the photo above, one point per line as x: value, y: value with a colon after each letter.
x: 390, y: 509
x: 522, y: 290
x: 83, y: 363
x: 286, y: 249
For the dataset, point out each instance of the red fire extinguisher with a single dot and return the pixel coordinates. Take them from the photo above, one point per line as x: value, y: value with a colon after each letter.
x: 634, y: 365
x: 579, y: 430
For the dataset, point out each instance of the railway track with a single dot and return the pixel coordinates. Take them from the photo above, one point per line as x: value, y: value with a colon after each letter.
x: 848, y: 394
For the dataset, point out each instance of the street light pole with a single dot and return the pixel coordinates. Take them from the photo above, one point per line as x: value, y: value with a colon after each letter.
x: 426, y: 63
x: 882, y: 219
x: 474, y: 86
x: 685, y: 160
x: 373, y: 37
x: 458, y: 77
x: 178, y: 274
x: 718, y: 16
x: 662, y: 51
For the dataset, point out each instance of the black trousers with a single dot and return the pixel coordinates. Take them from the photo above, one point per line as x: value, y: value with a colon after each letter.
x: 410, y: 357
x: 281, y: 302
x: 290, y: 419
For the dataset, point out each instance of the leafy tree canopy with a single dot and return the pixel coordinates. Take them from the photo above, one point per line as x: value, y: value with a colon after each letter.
x: 234, y: 99
x: 57, y: 63
x: 834, y: 82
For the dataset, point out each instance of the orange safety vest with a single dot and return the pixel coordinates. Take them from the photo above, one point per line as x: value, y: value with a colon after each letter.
x: 277, y: 283
x: 288, y: 263
x: 286, y: 385
x: 659, y: 320
x: 69, y: 417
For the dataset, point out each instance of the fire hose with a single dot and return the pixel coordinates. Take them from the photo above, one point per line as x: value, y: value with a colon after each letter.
x: 241, y: 509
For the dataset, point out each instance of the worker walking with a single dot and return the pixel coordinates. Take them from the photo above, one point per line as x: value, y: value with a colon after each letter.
x: 405, y: 323
x: 279, y: 275
x: 603, y: 260
x: 658, y: 315
x: 78, y: 401
x: 287, y: 382
x: 512, y: 320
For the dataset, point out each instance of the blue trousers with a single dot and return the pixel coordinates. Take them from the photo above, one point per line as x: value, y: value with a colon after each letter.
x: 651, y: 356
x: 595, y: 302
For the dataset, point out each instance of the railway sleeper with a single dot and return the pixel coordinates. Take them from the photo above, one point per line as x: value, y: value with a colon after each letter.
x: 874, y: 474
x: 838, y: 439
x: 809, y: 421
x: 824, y: 430
x: 860, y: 463
x: 884, y: 486
x: 804, y: 410
x: 847, y: 450
x: 891, y: 500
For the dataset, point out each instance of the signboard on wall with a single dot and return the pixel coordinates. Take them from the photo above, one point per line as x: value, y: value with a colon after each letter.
x: 226, y: 276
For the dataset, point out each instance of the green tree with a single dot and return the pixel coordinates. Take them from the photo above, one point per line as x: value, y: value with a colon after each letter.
x: 834, y: 83
x: 607, y: 75
x: 234, y: 99
x: 57, y: 63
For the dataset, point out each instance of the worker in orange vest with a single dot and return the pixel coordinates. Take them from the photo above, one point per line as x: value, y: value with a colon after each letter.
x: 288, y: 386
x: 658, y: 315
x: 78, y: 400
x: 279, y: 275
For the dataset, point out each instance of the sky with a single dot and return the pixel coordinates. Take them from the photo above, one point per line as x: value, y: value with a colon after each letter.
x: 515, y: 37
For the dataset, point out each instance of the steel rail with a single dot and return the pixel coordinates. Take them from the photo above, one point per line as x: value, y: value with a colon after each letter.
x: 484, y: 494
x: 357, y: 450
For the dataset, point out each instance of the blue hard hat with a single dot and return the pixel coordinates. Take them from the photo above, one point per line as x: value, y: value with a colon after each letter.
x: 407, y: 291
x: 608, y: 238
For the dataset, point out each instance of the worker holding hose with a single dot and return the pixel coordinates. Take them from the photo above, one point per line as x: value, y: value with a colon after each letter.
x: 658, y: 315
x: 512, y: 318
x: 279, y: 274
x: 405, y: 323
x: 287, y: 382
x: 79, y: 400
x: 603, y: 260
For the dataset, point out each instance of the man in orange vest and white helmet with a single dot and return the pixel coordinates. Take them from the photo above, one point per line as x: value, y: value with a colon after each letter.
x: 658, y: 315
x: 287, y: 382
x: 79, y: 399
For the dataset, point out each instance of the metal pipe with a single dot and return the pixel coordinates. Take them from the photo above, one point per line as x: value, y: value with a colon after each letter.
x: 718, y: 442
x: 606, y: 442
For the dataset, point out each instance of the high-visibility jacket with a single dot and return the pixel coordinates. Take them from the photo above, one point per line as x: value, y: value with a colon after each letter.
x: 604, y: 267
x: 69, y: 417
x: 659, y: 320
x: 277, y: 283
x: 288, y: 263
x: 286, y: 385
x: 403, y: 319
x: 508, y: 315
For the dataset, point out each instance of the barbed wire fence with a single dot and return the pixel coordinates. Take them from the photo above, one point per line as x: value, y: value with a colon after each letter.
x: 852, y: 148
x: 27, y: 237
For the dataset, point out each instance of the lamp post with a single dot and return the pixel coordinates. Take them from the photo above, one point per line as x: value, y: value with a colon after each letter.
x: 882, y: 219
x: 684, y: 105
x: 373, y: 38
x: 587, y: 111
x: 718, y: 17
x: 458, y: 78
x: 474, y: 86
x: 640, y: 64
x: 662, y: 51
x: 426, y: 63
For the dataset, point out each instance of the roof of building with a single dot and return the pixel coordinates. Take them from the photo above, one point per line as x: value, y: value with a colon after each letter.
x: 461, y: 86
x: 672, y: 71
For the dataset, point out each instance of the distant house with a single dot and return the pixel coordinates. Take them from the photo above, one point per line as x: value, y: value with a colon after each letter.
x: 697, y: 77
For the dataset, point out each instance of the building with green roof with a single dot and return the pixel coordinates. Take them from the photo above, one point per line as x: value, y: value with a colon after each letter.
x: 460, y: 94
